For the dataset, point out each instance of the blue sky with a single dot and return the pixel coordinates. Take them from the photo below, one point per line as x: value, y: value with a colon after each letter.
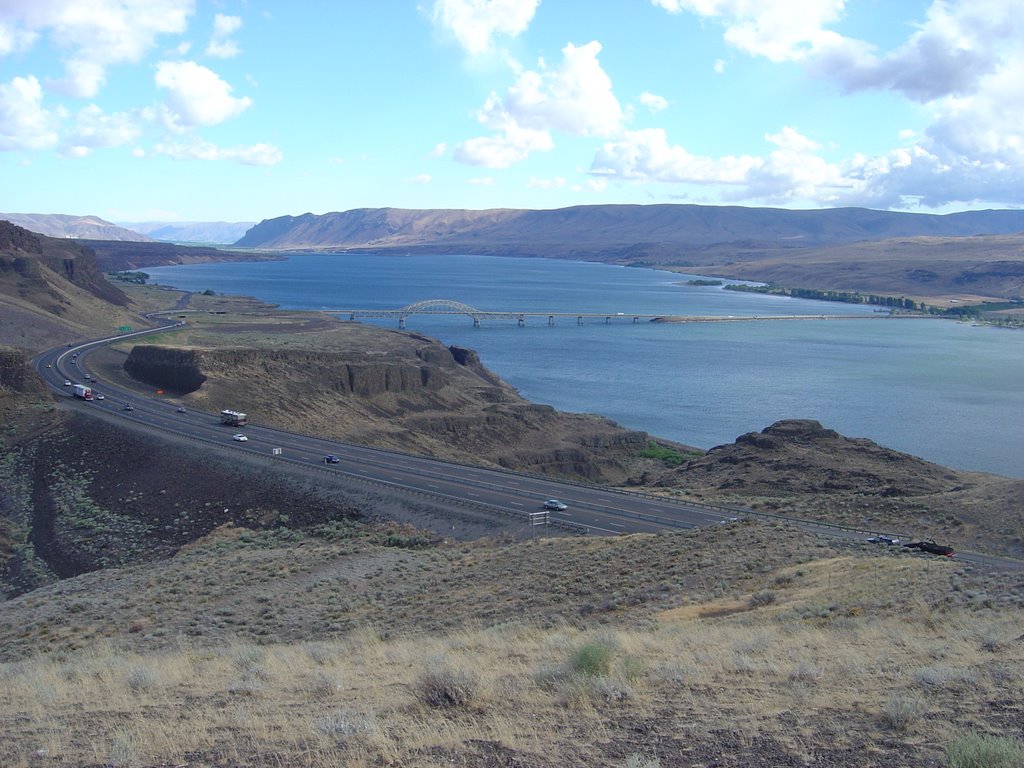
x: 196, y: 110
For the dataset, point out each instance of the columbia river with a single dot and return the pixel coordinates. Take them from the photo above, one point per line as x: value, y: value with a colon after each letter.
x: 948, y: 392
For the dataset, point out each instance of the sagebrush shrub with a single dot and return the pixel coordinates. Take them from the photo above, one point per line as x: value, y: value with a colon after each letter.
x: 446, y: 687
x: 592, y: 659
x: 902, y: 711
x: 975, y: 750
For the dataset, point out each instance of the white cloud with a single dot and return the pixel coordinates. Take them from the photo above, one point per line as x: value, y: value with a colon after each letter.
x: 653, y: 102
x: 719, y: 66
x: 646, y: 155
x: 92, y: 35
x: 14, y: 39
x: 421, y: 178
x: 24, y: 124
x: 576, y: 98
x: 513, y: 146
x: 481, y: 181
x: 474, y: 23
x: 556, y: 183
x: 781, y: 30
x: 221, y: 45
x: 257, y: 154
x: 957, y: 45
x: 439, y: 150
x: 196, y: 95
x: 94, y: 129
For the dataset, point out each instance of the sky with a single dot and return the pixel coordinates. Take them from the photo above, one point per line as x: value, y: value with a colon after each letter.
x: 242, y: 110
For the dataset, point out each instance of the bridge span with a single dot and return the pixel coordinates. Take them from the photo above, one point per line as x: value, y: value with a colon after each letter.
x: 450, y: 307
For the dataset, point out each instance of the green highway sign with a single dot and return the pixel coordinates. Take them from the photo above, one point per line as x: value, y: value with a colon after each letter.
x: 124, y: 328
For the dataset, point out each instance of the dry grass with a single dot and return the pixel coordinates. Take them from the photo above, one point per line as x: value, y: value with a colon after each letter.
x: 358, y: 701
x: 858, y: 660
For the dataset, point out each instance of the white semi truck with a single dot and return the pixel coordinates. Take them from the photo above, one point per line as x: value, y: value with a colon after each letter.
x: 82, y: 392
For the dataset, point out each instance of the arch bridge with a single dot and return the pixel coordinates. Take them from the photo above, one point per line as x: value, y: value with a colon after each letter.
x: 451, y: 307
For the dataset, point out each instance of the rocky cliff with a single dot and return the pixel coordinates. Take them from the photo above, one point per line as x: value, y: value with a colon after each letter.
x: 420, y: 397
x: 799, y: 467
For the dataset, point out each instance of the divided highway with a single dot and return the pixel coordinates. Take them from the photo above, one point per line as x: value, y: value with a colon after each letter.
x: 591, y: 509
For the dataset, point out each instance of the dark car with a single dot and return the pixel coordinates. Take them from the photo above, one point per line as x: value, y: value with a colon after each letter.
x: 127, y: 407
x: 931, y: 547
x: 880, y: 539
x: 331, y: 459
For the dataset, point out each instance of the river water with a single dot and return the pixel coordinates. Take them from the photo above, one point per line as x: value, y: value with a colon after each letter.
x: 949, y: 392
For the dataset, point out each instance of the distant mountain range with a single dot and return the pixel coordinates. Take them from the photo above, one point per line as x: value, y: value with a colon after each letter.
x: 206, y: 232
x: 78, y: 227
x: 628, y: 233
x: 95, y: 228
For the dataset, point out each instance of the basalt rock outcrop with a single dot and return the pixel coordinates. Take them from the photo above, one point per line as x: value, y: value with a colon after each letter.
x: 417, y: 395
x: 800, y: 456
x: 175, y: 370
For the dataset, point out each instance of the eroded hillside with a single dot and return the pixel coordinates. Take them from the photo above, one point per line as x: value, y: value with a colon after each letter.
x: 376, y: 387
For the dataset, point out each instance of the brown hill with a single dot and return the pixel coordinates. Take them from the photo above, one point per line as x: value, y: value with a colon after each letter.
x: 65, y: 226
x: 798, y: 467
x: 969, y: 256
x: 965, y: 267
x: 52, y: 290
x: 114, y: 256
x: 611, y: 231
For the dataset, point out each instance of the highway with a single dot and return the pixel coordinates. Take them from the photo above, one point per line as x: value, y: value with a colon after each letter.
x: 590, y: 509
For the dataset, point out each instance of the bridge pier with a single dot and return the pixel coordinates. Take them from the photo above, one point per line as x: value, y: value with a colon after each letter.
x: 401, y: 322
x: 579, y: 320
x: 607, y: 320
x: 636, y: 319
x: 551, y: 319
x: 521, y: 321
x: 476, y: 321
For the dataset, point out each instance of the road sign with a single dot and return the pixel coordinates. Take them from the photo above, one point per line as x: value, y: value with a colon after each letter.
x: 124, y: 328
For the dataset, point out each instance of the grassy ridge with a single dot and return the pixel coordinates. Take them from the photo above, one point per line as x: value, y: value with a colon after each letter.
x: 744, y: 644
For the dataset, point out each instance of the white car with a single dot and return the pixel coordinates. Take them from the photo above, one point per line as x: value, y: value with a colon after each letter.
x: 239, y: 437
x: 67, y: 383
x: 99, y: 396
x: 556, y: 505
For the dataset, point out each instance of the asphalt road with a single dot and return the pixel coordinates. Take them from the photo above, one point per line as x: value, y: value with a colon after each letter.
x: 589, y: 509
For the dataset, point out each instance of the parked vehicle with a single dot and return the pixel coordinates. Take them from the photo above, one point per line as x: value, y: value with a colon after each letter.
x: 82, y: 392
x: 233, y: 418
x: 883, y: 539
x: 931, y: 547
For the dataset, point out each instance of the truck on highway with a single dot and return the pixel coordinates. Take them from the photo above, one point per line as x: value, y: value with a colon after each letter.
x: 233, y: 418
x: 82, y: 392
